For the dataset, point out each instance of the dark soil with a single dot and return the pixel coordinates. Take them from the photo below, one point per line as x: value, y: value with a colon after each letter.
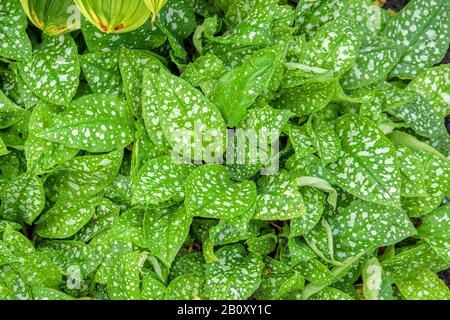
x: 398, y: 5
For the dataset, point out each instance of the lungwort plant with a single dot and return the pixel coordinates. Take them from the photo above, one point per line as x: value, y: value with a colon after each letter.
x: 239, y: 149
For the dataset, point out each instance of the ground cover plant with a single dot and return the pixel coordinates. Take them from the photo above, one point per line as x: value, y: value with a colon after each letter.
x: 224, y: 149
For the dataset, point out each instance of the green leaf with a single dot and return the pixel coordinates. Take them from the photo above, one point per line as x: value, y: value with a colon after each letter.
x: 14, y: 40
x: 43, y: 293
x: 101, y: 70
x: 186, y: 287
x: 164, y: 178
x: 175, y: 111
x: 152, y: 289
x: 421, y: 30
x: 315, y: 272
x: 43, y: 155
x: 363, y: 226
x: 23, y: 199
x: 262, y: 245
x: 124, y: 277
x: 211, y: 194
x: 278, y: 198
x: 53, y: 72
x: 238, y: 89
x: 83, y: 177
x: 436, y: 232
x: 372, y: 276
x: 95, y: 123
x: 166, y: 231
x: 132, y: 66
x: 179, y: 18
x: 367, y: 168
x: 324, y: 139
x: 330, y: 293
x: 235, y: 277
x: 424, y: 286
x: 10, y: 113
x: 65, y: 219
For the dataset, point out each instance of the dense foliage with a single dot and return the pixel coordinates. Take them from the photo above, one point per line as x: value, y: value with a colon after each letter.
x: 93, y: 203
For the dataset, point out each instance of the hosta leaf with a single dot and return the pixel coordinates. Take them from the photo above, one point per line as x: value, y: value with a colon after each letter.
x: 238, y: 89
x: 421, y: 30
x: 164, y: 178
x: 65, y: 219
x: 53, y: 72
x: 43, y: 155
x: 23, y: 199
x: 183, y: 115
x: 211, y: 194
x: 186, y: 287
x: 132, y: 66
x: 166, y: 231
x: 424, y: 286
x: 14, y: 40
x: 236, y: 276
x: 95, y: 123
x: 278, y: 198
x: 362, y: 226
x: 124, y: 277
x: 368, y: 165
x: 83, y: 176
x: 101, y: 70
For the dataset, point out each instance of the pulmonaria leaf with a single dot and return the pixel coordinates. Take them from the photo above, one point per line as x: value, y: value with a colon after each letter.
x: 372, y: 276
x: 124, y: 277
x: 43, y: 155
x: 53, y: 73
x: 211, y: 194
x: 10, y: 113
x: 23, y: 199
x: 324, y: 139
x: 367, y: 168
x: 278, y: 198
x: 315, y: 272
x: 33, y: 267
x: 14, y: 39
x: 65, y: 219
x: 128, y: 228
x: 145, y: 37
x: 330, y: 293
x: 164, y: 178
x: 235, y: 277
x: 183, y: 115
x: 101, y: 70
x: 152, y: 289
x: 363, y: 226
x: 186, y: 263
x: 421, y: 30
x: 186, y: 287
x: 104, y: 217
x: 71, y: 256
x: 373, y: 64
x: 179, y: 18
x: 431, y: 103
x: 309, y: 98
x: 132, y: 66
x: 436, y: 232
x: 83, y: 177
x: 314, y: 202
x: 95, y: 123
x: 410, y: 260
x: 238, y: 89
x: 262, y: 245
x: 43, y: 293
x: 166, y: 230
x: 425, y: 285
x: 412, y: 169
